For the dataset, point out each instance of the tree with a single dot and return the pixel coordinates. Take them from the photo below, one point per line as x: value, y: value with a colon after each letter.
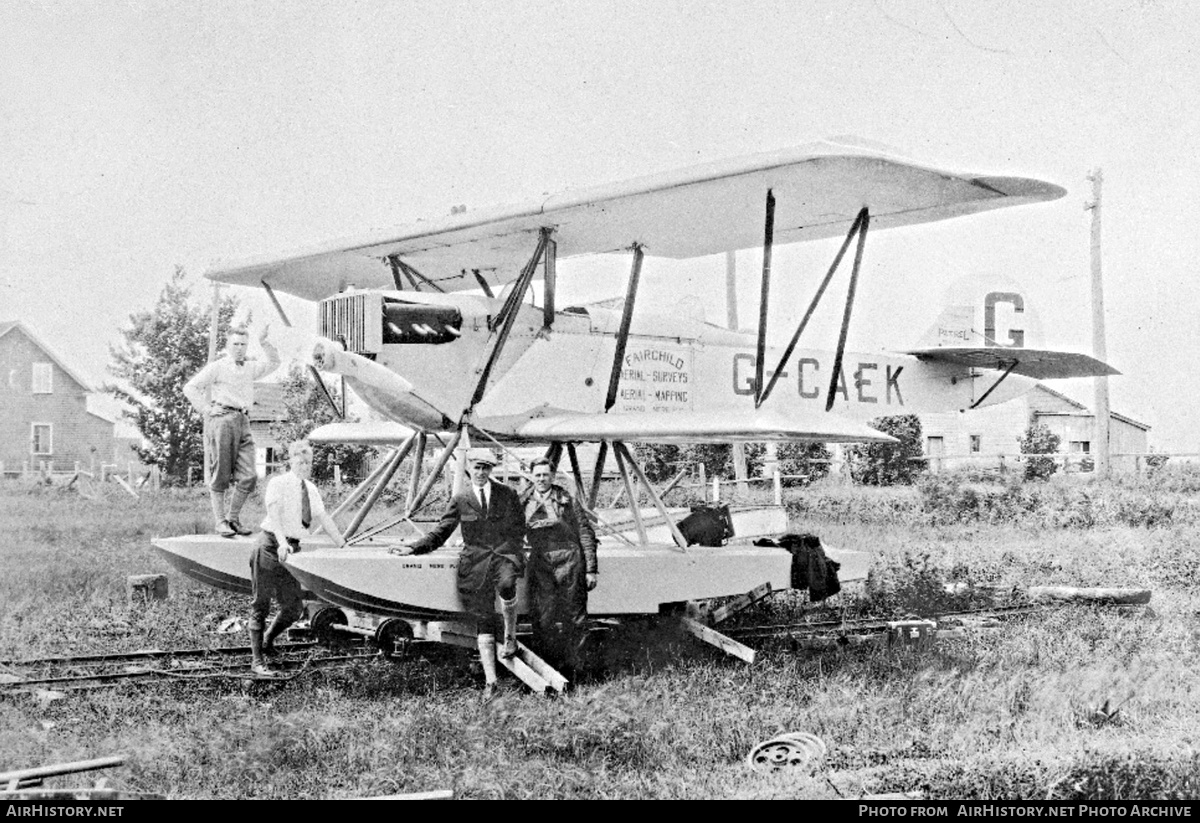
x: 662, y: 461
x: 161, y: 351
x: 307, y: 409
x: 890, y: 464
x: 808, y: 459
x: 1038, y: 439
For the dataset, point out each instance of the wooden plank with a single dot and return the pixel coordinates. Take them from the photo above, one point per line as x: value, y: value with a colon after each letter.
x: 524, y: 673
x: 1070, y: 594
x: 452, y: 634
x: 125, y: 486
x: 39, y: 772
x: 544, y: 670
x: 715, y: 638
x: 739, y: 603
x: 436, y: 794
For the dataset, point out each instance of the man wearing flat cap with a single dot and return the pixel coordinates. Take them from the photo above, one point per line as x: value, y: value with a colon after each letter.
x: 492, y: 558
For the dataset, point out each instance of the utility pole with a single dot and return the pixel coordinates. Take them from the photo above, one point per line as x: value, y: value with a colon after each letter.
x: 1099, y: 349
x: 212, y: 355
x: 731, y: 315
x: 212, y: 328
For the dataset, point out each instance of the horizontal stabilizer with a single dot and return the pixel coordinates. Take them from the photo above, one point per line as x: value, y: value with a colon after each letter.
x: 1040, y: 364
x: 701, y: 427
x: 362, y: 434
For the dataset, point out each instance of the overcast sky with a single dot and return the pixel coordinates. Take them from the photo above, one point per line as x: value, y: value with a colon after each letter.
x: 135, y: 136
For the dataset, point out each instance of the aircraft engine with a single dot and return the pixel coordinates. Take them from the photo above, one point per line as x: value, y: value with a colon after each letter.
x: 379, y: 386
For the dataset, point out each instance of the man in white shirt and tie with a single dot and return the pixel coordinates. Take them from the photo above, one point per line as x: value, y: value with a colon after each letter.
x: 293, y: 506
x: 223, y: 392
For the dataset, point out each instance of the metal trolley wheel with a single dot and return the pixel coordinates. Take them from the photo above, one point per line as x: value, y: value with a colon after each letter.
x: 394, y: 638
x: 322, y: 625
x: 794, y: 750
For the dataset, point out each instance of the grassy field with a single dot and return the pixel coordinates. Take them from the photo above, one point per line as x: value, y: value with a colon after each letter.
x: 1008, y: 713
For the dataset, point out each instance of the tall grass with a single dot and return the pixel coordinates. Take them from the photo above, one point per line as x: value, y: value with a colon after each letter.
x: 1015, y: 712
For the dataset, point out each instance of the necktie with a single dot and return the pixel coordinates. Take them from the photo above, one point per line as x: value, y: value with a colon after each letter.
x: 305, y: 506
x: 483, y: 501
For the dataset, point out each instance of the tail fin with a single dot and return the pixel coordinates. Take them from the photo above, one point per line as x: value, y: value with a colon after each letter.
x: 953, y: 327
x: 984, y: 311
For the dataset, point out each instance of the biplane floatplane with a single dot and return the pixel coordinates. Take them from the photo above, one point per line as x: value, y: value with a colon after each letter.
x: 430, y: 326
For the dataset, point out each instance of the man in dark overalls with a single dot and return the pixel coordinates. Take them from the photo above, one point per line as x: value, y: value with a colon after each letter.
x: 562, y: 568
x: 492, y: 558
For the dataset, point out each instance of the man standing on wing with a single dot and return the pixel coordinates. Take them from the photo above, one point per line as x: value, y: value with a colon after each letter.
x: 562, y: 568
x: 223, y: 392
x: 492, y: 558
x: 293, y: 506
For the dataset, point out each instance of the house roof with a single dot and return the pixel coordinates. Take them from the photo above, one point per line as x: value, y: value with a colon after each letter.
x: 8, y: 325
x: 1084, y: 410
x: 268, y: 404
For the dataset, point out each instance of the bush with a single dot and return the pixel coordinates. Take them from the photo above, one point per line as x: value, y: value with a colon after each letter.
x: 808, y: 459
x: 1038, y: 439
x: 890, y: 464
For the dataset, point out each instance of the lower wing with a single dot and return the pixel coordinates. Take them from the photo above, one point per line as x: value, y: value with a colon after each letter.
x: 726, y: 426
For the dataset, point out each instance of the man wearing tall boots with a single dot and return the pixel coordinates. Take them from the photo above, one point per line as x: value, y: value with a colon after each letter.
x: 492, y: 558
x: 293, y: 506
x: 562, y: 569
x: 223, y: 392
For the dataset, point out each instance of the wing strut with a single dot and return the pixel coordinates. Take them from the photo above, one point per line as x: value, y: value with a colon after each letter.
x: 386, y: 477
x: 864, y: 221
x: 508, y: 314
x: 575, y: 472
x: 597, y: 474
x: 392, y: 261
x: 621, y: 449
x: 363, y: 486
x: 554, y: 455
x: 999, y: 380
x: 422, y: 493
x: 614, y: 377
x: 483, y: 283
x: 629, y: 492
x: 413, y: 275
x: 275, y: 302
x: 812, y: 306
x: 414, y: 479
x: 550, y: 279
x: 764, y: 300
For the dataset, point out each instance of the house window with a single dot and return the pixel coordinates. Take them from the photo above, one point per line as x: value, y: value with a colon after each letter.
x: 976, y: 442
x: 935, y: 446
x: 43, y: 378
x: 1081, y: 447
x: 43, y: 438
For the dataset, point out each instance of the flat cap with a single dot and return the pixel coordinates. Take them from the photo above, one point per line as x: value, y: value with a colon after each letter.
x: 481, y: 456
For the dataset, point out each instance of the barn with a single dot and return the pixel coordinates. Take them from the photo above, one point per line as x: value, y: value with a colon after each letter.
x: 988, y: 437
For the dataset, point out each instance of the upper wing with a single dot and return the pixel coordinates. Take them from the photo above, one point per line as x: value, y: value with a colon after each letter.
x: 819, y: 189
x: 700, y: 427
x: 1039, y: 364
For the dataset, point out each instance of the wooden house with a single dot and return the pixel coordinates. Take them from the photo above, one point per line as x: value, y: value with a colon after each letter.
x: 45, y: 423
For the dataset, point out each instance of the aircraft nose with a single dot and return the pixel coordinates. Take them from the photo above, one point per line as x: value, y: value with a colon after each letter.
x: 322, y: 355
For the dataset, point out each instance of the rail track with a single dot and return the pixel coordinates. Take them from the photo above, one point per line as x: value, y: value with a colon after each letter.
x: 869, y: 625
x: 76, y: 672
x: 94, y: 671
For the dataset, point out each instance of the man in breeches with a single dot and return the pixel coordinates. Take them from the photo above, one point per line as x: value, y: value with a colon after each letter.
x: 223, y: 392
x: 562, y: 568
x: 492, y: 558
